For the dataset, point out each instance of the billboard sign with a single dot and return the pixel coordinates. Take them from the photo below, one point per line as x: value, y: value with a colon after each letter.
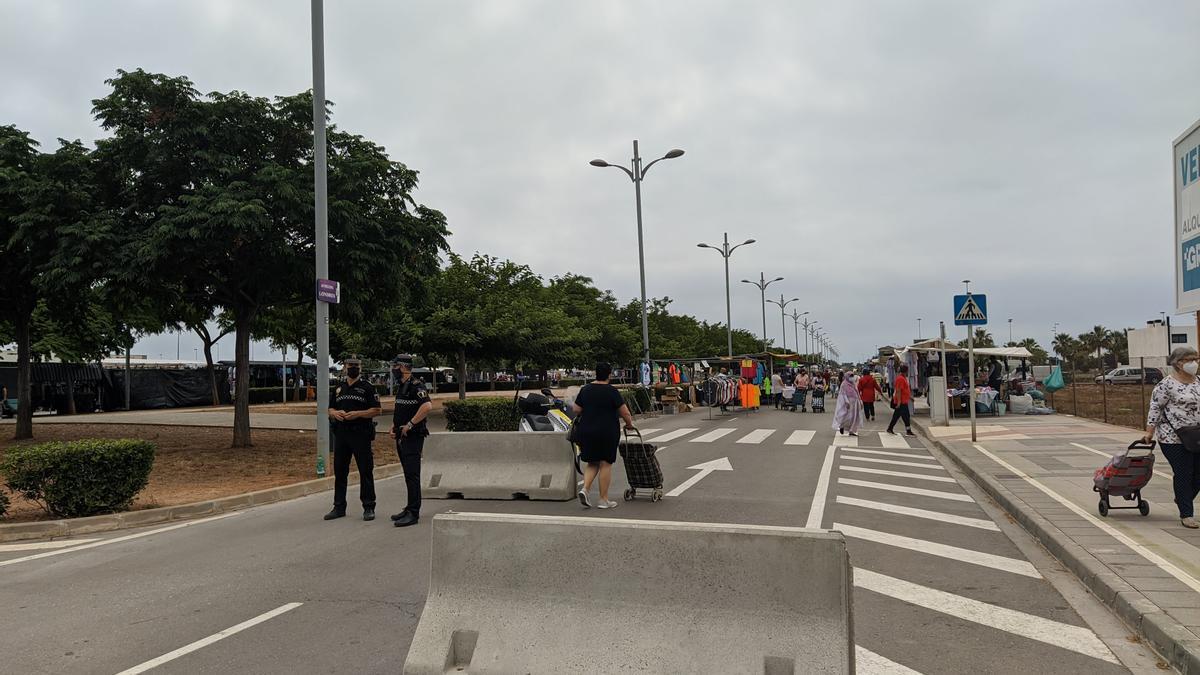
x: 1186, y: 169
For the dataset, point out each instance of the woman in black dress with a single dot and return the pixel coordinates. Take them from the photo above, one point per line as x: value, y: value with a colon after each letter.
x: 598, y: 409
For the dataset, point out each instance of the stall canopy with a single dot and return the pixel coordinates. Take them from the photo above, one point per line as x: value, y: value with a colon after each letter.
x: 936, y: 345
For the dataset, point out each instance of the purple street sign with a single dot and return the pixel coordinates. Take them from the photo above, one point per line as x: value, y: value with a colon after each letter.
x: 328, y: 291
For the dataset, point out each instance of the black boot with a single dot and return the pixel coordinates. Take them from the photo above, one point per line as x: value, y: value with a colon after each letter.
x: 368, y: 513
x: 335, y: 513
x: 406, y: 519
x: 398, y: 516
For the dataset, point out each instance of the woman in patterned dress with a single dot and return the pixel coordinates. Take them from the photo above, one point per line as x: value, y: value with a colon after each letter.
x: 1176, y: 404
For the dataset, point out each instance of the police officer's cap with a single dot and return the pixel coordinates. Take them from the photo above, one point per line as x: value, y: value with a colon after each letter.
x: 402, y: 359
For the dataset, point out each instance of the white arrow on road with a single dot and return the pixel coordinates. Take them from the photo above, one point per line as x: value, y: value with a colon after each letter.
x: 704, y: 469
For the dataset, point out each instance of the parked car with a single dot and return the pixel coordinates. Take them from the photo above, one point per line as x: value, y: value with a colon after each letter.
x: 1130, y: 375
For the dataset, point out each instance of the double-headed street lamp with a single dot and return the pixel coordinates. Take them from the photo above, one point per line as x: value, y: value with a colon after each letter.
x: 725, y: 252
x: 762, y: 284
x: 796, y: 314
x: 636, y: 172
x: 810, y: 329
x: 782, y: 315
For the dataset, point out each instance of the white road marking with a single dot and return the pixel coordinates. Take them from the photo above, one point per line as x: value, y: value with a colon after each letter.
x: 706, y: 468
x: 953, y: 496
x: 800, y: 437
x: 816, y: 512
x: 996, y: 562
x: 105, y: 542
x: 647, y: 432
x: 41, y: 545
x: 1109, y: 455
x: 756, y: 436
x: 713, y: 435
x: 898, y: 474
x: 892, y: 440
x: 672, y: 435
x: 978, y: 523
x: 1164, y: 564
x: 884, y: 453
x: 215, y: 637
x: 1074, y: 638
x: 894, y: 462
x: 867, y: 662
x: 845, y: 441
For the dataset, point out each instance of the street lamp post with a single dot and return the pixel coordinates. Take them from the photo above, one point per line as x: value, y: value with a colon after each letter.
x: 1009, y: 335
x: 762, y: 284
x: 809, y: 329
x: 321, y: 241
x: 636, y: 172
x: 782, y: 316
x: 796, y: 314
x: 725, y: 252
x: 918, y: 328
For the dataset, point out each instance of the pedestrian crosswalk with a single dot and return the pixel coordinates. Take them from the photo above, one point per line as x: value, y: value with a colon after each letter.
x: 883, y: 502
x: 773, y: 435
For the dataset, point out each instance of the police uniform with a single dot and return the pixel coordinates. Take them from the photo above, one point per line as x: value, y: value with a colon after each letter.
x: 353, y: 439
x: 410, y: 396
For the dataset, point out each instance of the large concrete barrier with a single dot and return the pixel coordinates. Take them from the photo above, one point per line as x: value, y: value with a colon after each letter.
x: 498, y: 465
x: 543, y: 594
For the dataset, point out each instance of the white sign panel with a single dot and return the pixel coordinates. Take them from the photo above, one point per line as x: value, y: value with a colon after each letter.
x: 1186, y: 169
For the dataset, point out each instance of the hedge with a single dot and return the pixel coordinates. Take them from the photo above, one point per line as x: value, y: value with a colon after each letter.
x: 482, y: 414
x: 3, y: 504
x: 80, y: 478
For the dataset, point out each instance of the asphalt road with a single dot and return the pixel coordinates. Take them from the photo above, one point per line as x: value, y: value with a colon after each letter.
x: 944, y: 582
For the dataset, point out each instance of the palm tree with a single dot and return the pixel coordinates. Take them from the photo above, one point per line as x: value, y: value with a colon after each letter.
x: 1066, y: 346
x: 1039, y: 354
x: 1118, y: 346
x: 1094, y: 341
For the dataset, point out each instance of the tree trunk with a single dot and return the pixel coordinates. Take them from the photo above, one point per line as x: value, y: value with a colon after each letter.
x: 70, y: 391
x: 241, y: 392
x: 212, y: 373
x: 24, y: 426
x: 299, y: 363
x: 462, y: 374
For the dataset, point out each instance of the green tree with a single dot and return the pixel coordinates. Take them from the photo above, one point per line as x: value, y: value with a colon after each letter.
x: 982, y: 338
x: 217, y: 191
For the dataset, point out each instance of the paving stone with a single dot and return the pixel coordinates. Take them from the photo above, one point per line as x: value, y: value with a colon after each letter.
x: 1157, y: 584
x: 1174, y: 600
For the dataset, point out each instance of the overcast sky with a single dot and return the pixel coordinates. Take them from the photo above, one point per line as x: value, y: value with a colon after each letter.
x: 880, y: 152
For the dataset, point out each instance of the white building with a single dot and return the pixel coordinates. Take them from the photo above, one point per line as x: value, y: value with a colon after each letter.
x: 1152, y: 344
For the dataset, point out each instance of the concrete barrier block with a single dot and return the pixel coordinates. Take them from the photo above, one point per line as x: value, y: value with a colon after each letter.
x: 498, y: 465
x: 542, y: 594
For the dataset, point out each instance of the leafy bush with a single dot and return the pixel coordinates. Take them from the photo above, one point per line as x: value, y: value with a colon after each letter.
x: 3, y: 504
x: 80, y: 478
x: 482, y: 414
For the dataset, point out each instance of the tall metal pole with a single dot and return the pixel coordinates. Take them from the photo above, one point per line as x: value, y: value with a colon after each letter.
x: 637, y: 189
x: 283, y: 373
x: 782, y: 323
x: 945, y: 375
x: 728, y: 314
x: 971, y: 367
x: 918, y: 328
x: 762, y: 286
x: 322, y: 232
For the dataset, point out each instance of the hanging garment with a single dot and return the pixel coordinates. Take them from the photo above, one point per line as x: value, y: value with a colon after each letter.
x: 748, y: 369
x: 673, y: 373
x: 759, y: 373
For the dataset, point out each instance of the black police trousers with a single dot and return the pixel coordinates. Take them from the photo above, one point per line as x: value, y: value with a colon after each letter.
x: 356, y: 444
x: 409, y: 448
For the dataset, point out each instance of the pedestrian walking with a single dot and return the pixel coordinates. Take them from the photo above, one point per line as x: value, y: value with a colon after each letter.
x: 901, y: 398
x: 777, y: 388
x: 803, y: 383
x: 848, y: 416
x: 409, y: 429
x: 868, y: 391
x: 598, y: 409
x: 351, y: 417
x: 1174, y: 407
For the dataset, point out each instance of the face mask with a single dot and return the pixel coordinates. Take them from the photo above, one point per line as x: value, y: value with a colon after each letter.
x: 352, y: 372
x: 1190, y: 367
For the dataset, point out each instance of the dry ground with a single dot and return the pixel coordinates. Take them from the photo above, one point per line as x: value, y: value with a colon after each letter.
x: 1120, y: 404
x: 196, y: 463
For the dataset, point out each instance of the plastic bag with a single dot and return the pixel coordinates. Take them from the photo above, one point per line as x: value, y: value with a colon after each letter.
x: 1054, y: 381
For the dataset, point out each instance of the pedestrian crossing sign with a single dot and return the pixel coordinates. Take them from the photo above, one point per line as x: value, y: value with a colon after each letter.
x: 970, y: 310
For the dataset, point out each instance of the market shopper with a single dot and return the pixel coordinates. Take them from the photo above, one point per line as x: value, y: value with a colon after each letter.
x: 777, y: 388
x: 901, y: 399
x: 351, y: 415
x: 1175, y: 405
x: 868, y: 390
x: 803, y: 383
x: 848, y: 416
x: 409, y: 429
x: 598, y: 409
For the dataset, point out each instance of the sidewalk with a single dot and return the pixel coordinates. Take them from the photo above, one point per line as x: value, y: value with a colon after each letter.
x: 1039, y: 469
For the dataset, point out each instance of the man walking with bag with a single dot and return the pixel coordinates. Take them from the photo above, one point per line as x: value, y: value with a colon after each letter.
x: 409, y: 429
x: 900, y: 401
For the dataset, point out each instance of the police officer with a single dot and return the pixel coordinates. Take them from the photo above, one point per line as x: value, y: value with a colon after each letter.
x: 351, y: 414
x: 409, y: 430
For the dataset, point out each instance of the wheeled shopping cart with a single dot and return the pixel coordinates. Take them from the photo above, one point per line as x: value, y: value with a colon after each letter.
x: 1124, y: 476
x: 642, y: 469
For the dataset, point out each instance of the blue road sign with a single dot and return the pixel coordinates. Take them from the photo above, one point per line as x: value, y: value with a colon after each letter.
x: 970, y: 310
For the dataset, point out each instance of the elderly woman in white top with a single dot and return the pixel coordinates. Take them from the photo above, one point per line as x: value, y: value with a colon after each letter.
x: 1174, y: 405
